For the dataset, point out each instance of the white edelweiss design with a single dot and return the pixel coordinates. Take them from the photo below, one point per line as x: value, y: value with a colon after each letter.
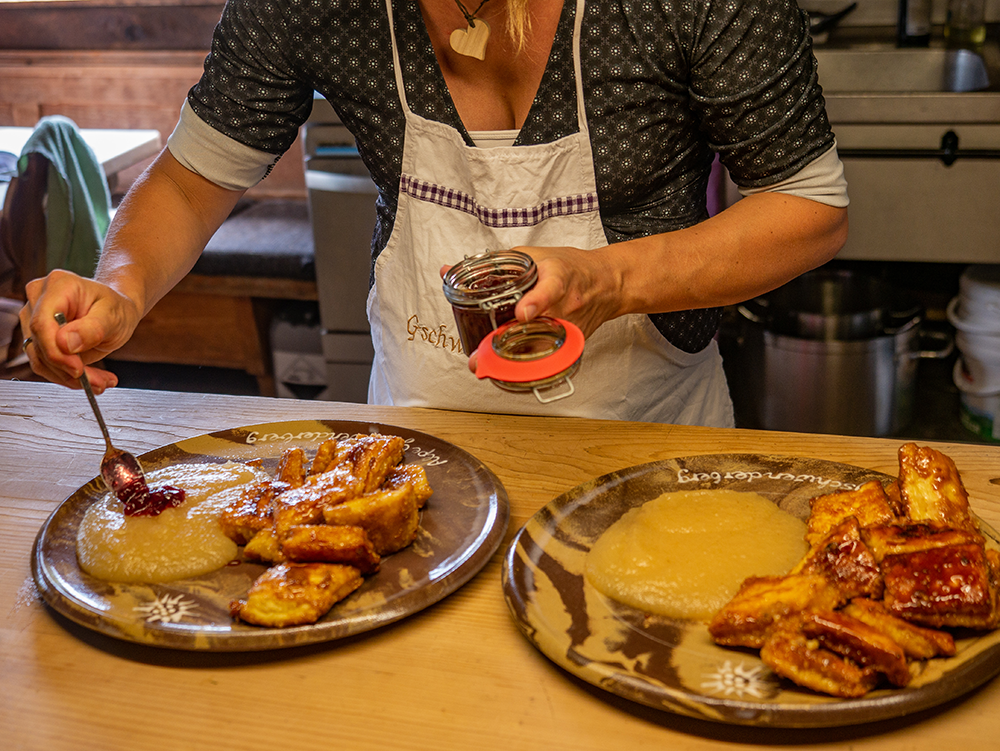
x: 739, y: 680
x: 167, y: 609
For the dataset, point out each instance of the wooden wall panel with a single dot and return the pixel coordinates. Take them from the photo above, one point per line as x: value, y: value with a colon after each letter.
x: 109, y: 24
x: 117, y: 89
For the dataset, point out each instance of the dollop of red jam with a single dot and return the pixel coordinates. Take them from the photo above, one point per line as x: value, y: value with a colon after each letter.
x: 141, y: 500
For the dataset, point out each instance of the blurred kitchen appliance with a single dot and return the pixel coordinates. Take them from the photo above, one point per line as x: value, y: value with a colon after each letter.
x: 342, y: 211
x: 297, y: 352
x: 833, y: 351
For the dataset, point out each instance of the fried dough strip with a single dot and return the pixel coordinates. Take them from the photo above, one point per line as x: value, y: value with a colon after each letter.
x: 264, y: 548
x: 869, y: 504
x: 325, y: 456
x: 292, y: 467
x: 789, y: 653
x: 896, y: 539
x: 251, y: 510
x: 294, y: 594
x: 917, y: 642
x: 859, y: 643
x: 949, y: 586
x: 931, y: 489
x: 304, y: 505
x: 370, y: 458
x: 844, y: 559
x: 413, y: 474
x: 390, y: 517
x: 321, y: 543
x: 763, y: 600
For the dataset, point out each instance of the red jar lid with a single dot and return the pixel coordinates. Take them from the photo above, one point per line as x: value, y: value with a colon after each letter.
x: 533, y: 356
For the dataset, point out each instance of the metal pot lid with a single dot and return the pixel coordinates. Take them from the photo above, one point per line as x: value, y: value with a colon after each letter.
x: 534, y: 356
x: 832, y: 304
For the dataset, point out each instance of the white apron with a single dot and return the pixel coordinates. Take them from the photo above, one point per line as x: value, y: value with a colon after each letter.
x: 457, y: 201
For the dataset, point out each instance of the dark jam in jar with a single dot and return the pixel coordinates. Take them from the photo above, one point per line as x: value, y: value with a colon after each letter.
x: 483, y: 291
x: 141, y: 500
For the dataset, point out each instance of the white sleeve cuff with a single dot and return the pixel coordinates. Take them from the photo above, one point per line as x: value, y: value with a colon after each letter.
x: 215, y: 156
x: 821, y: 180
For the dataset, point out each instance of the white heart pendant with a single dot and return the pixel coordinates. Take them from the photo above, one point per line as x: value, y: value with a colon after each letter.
x: 471, y: 41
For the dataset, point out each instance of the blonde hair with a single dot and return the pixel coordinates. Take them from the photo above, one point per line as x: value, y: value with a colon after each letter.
x: 518, y: 22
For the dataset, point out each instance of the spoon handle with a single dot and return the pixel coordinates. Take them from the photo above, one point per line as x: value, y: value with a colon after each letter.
x: 85, y: 382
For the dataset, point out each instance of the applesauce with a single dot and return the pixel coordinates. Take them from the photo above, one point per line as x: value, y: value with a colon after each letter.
x: 179, y: 542
x: 684, y: 554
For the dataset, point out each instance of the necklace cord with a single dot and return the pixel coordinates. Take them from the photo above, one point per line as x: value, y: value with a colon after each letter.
x: 470, y: 17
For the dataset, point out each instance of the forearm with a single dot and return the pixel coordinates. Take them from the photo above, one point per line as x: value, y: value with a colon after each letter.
x: 159, y: 231
x: 756, y: 245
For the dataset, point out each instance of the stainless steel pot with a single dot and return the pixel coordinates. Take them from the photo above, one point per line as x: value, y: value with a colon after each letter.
x: 831, y: 304
x: 809, y: 366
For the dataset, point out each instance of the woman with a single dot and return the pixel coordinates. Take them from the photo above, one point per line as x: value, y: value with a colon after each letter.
x: 594, y: 120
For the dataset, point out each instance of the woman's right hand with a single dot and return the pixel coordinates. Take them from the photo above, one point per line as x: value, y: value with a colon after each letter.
x: 99, y: 320
x: 155, y: 237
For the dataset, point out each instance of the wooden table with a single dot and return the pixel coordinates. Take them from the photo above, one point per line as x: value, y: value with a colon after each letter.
x: 458, y: 675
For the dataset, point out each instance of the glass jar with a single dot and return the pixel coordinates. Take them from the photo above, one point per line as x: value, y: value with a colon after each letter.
x: 538, y: 356
x: 914, y: 23
x: 965, y: 27
x: 484, y: 289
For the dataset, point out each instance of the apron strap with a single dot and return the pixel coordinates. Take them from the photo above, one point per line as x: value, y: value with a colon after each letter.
x: 396, y: 67
x: 581, y: 112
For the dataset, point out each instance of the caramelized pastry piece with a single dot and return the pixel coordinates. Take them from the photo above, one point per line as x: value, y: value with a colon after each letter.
x: 264, y: 548
x: 324, y: 458
x: 895, y: 500
x: 250, y: 510
x: 292, y: 467
x: 917, y: 642
x: 859, y: 643
x: 304, y: 505
x: 413, y: 474
x: 894, y: 539
x: 295, y: 594
x: 949, y: 586
x: 370, y: 458
x: 763, y: 600
x: 390, y: 517
x: 931, y: 489
x: 844, y: 559
x: 326, y: 544
x: 993, y: 561
x: 789, y: 653
x: 869, y: 504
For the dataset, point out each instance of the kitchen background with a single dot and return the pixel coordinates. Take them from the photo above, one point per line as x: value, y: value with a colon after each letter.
x: 917, y: 222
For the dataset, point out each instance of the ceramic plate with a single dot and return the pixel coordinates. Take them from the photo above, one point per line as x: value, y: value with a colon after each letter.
x: 673, y: 664
x: 461, y: 527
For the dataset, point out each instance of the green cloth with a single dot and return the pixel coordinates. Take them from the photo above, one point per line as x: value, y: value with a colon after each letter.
x: 78, y: 206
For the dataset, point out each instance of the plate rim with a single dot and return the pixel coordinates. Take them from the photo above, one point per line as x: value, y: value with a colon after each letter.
x: 822, y: 712
x: 477, y: 554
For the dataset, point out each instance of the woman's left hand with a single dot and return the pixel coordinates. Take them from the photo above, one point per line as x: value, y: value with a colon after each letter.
x: 579, y: 286
x: 576, y: 285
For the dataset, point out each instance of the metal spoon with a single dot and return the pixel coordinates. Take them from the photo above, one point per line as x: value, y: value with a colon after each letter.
x: 121, y: 470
